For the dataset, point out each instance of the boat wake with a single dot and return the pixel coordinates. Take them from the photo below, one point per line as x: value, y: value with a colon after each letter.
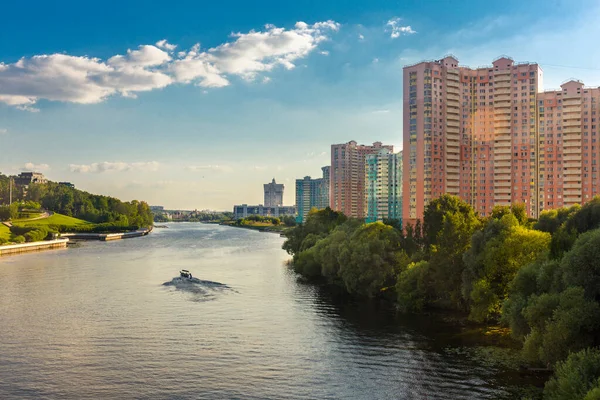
x: 201, y: 289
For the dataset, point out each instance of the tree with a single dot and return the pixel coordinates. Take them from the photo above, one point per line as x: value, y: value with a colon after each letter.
x: 576, y: 378
x: 496, y: 255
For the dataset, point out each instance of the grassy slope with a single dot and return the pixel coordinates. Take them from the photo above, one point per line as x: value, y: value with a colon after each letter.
x: 56, y: 219
x: 4, y: 232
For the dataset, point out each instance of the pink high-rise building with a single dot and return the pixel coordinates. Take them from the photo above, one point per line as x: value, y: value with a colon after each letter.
x: 470, y: 133
x: 569, y: 154
x: 347, y: 176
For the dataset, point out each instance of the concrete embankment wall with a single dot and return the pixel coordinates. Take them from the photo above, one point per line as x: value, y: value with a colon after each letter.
x: 105, y: 237
x: 35, y: 246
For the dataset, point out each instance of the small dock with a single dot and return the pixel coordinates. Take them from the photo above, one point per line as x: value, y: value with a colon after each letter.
x: 34, y: 246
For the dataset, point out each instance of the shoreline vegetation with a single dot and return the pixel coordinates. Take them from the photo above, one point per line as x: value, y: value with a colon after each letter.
x: 45, y: 211
x: 532, y: 285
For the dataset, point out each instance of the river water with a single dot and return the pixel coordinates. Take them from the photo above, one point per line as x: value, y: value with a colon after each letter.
x: 108, y: 320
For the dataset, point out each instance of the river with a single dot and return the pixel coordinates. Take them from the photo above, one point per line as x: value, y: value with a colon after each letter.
x: 108, y: 320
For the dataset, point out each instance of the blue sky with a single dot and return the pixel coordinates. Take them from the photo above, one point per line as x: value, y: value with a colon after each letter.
x: 90, y: 93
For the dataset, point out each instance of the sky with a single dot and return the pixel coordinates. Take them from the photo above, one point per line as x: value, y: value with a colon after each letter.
x: 195, y: 105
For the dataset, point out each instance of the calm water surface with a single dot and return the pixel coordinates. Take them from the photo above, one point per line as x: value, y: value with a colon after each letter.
x: 107, y: 320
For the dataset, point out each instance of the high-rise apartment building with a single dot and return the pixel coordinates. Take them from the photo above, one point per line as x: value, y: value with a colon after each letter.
x: 383, y: 186
x: 569, y: 155
x: 312, y: 193
x: 347, y: 176
x: 273, y: 194
x: 470, y: 133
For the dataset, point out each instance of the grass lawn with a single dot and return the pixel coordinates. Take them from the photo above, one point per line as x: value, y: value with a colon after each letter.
x: 4, y: 232
x: 56, y: 219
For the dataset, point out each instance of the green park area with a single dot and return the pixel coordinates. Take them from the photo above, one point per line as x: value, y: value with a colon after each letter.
x: 55, y: 219
x: 4, y: 233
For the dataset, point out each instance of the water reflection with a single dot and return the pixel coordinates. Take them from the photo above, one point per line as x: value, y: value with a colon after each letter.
x: 97, y: 322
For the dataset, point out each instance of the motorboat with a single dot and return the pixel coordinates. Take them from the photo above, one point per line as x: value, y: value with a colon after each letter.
x: 184, y: 273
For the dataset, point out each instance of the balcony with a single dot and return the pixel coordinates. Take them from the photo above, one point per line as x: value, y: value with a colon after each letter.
x: 572, y: 129
x: 572, y: 186
x: 502, y: 185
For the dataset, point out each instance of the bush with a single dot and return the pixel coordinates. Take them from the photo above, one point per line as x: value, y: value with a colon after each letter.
x: 19, y: 239
x: 576, y: 378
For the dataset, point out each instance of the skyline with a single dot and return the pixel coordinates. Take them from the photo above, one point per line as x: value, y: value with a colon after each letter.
x: 177, y: 146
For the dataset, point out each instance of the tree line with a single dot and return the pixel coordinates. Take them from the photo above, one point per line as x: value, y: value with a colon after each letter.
x: 540, y: 278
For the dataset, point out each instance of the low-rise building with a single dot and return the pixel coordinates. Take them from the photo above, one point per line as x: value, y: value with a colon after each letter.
x: 244, y: 210
x: 27, y: 178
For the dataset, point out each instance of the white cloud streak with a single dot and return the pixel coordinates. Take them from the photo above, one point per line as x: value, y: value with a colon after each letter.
x: 35, y: 167
x: 3, y: 131
x: 106, y: 166
x: 396, y: 30
x: 89, y: 80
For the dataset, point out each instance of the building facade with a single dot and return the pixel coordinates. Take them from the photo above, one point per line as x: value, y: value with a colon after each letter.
x: 273, y: 194
x: 568, y: 145
x: 311, y: 193
x: 383, y: 186
x: 347, y: 176
x: 27, y: 178
x: 470, y: 133
x: 244, y: 210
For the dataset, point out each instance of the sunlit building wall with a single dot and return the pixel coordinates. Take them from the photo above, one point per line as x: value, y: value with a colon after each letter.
x: 471, y: 133
x: 347, y: 176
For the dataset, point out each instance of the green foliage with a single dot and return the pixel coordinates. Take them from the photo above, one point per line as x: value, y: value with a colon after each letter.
x: 9, y: 212
x: 18, y: 239
x: 581, y: 266
x: 93, y: 208
x: 560, y: 324
x: 550, y: 220
x: 497, y: 253
x: 580, y: 220
x: 576, y: 378
x: 369, y: 264
x: 318, y: 222
x: 449, y: 224
x: 412, y: 287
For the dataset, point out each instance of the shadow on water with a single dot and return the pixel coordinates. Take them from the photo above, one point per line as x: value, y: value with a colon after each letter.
x: 447, y: 337
x: 200, y: 290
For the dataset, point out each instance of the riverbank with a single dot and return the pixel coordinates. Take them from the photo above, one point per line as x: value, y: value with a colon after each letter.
x: 13, y: 249
x: 260, y: 228
x: 68, y: 238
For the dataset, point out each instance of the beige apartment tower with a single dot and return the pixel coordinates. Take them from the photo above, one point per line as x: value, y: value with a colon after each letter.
x: 470, y: 133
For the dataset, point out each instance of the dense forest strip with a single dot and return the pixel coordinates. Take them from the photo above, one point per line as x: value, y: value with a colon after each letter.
x: 541, y: 279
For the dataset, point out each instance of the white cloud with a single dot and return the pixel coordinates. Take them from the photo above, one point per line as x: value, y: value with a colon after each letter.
x: 266, y: 79
x: 163, y: 44
x: 210, y: 167
x: 114, y: 167
x: 3, y: 131
x: 260, y: 167
x: 35, y: 167
x: 396, y: 30
x: 324, y: 52
x: 88, y: 80
x: 384, y: 111
x: 361, y: 37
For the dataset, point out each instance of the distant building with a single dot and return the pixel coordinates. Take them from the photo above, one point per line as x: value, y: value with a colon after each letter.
x: 244, y: 210
x: 273, y: 194
x: 383, y: 186
x: 67, y: 184
x: 27, y: 178
x: 312, y: 193
x: 347, y: 176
